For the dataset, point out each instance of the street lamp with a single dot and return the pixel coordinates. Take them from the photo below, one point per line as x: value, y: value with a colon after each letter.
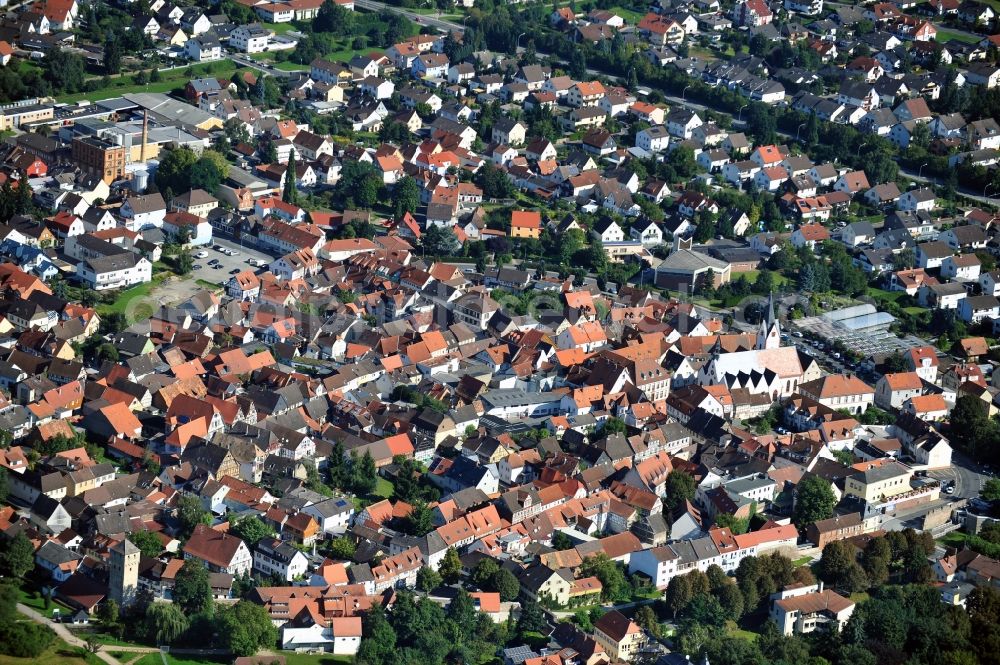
x: 921, y: 170
x: 684, y: 93
x: 860, y: 147
x: 517, y: 42
x: 797, y: 130
x: 740, y: 116
x: 988, y: 185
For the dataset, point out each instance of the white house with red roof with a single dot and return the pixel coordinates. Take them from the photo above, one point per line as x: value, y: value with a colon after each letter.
x: 220, y: 552
x: 752, y: 13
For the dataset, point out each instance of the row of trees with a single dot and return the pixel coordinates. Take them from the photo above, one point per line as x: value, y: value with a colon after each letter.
x: 418, y: 631
x: 352, y: 473
x: 712, y: 597
x: 900, y: 556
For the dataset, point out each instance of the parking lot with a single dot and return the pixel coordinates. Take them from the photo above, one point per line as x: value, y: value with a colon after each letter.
x: 226, y: 264
x: 865, y: 343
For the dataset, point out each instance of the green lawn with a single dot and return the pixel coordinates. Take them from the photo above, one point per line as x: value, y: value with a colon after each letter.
x: 944, y: 35
x: 384, y: 488
x: 801, y: 561
x: 279, y: 28
x: 59, y: 653
x: 124, y: 298
x: 630, y: 15
x: 156, y: 659
x: 860, y: 596
x: 736, y: 631
x: 37, y: 603
x: 289, y: 66
x: 173, y: 78
x: 954, y: 539
x: 311, y: 659
x: 752, y: 276
x: 883, y: 297
x: 95, y: 633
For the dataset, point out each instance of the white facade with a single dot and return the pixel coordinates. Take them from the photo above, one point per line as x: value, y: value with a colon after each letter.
x: 249, y: 39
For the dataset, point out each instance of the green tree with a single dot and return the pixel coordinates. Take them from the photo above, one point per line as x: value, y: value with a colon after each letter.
x: 680, y: 487
x: 762, y: 123
x: 646, y: 618
x: 379, y: 645
x: 428, y: 579
x: 532, y: 619
x: 613, y: 426
x: 342, y: 548
x: 174, y: 171
x: 506, y: 584
x: 451, y: 566
x: 364, y: 477
x: 405, y: 196
x: 206, y: 173
x: 250, y: 529
x: 814, y: 501
x: 17, y: 557
x: 191, y: 588
x: 420, y: 521
x: 561, y: 542
x: 289, y: 193
x: 147, y: 542
x: 439, y: 241
x: 184, y: 262
x: 615, y: 584
x: 678, y: 594
x: 485, y: 570
x: 164, y: 623
x: 112, y: 56
x: 109, y: 614
x: 191, y: 513
x: 25, y: 639
x: 107, y: 352
x: 494, y: 183
x: 836, y: 562
x: 331, y: 17
x: 991, y: 489
x: 246, y: 627
x: 65, y: 70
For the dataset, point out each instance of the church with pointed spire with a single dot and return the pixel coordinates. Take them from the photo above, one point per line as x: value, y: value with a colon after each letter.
x: 769, y: 331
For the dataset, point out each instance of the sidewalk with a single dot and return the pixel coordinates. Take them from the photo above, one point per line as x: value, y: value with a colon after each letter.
x: 66, y: 636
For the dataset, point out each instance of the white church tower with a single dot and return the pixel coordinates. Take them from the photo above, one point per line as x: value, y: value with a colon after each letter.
x: 769, y: 332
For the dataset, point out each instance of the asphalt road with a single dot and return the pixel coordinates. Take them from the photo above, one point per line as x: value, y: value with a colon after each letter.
x: 968, y: 476
x: 228, y: 263
x: 247, y: 61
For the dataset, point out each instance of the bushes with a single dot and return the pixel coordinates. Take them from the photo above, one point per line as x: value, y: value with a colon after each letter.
x: 25, y: 639
x: 20, y: 639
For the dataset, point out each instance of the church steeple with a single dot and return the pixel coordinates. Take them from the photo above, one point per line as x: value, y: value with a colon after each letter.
x: 769, y: 332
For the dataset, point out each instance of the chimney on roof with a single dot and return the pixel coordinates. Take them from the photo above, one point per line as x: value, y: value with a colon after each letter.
x: 145, y: 135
